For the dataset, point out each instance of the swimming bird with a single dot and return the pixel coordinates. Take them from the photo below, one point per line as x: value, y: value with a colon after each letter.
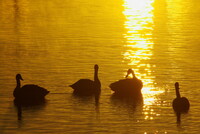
x: 28, y: 94
x: 180, y: 104
x: 87, y: 87
x: 127, y: 87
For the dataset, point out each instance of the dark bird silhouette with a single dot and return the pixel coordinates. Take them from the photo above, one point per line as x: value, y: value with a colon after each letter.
x: 127, y: 87
x: 28, y: 94
x: 180, y: 104
x: 87, y: 87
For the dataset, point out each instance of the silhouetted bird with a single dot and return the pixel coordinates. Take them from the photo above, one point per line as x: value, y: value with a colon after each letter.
x: 180, y: 104
x: 127, y: 87
x: 28, y: 94
x: 86, y: 87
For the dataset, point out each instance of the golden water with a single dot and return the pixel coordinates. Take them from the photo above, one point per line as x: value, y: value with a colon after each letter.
x: 55, y: 43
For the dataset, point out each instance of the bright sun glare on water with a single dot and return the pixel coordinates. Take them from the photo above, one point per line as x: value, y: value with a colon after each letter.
x: 139, y: 43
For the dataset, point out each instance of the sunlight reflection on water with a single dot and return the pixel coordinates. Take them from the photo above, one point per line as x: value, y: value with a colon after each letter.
x: 139, y: 43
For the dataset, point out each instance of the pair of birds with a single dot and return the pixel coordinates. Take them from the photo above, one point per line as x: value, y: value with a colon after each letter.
x: 84, y: 87
x: 122, y: 87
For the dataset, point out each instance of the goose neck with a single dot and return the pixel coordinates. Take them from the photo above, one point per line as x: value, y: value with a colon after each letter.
x: 18, y: 83
x: 96, y: 75
x: 178, y: 93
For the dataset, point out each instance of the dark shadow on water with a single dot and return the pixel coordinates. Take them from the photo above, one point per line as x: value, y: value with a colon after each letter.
x: 27, y: 103
x: 27, y: 106
x: 97, y: 106
x: 89, y: 99
x: 178, y: 117
x: 85, y: 100
x: 130, y: 102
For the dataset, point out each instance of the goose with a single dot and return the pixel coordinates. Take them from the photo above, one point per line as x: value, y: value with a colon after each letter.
x: 28, y: 94
x: 87, y: 87
x: 129, y: 86
x: 180, y: 104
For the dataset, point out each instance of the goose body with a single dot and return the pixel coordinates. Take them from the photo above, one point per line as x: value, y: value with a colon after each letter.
x: 30, y: 94
x: 83, y: 87
x: 180, y: 104
x: 86, y: 87
x: 128, y: 86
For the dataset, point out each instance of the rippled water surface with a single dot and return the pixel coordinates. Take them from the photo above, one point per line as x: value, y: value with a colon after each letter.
x: 55, y: 43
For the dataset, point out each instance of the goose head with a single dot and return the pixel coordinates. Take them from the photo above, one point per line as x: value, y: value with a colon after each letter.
x: 177, y: 85
x: 16, y: 91
x: 96, y: 67
x: 130, y: 71
x: 19, y: 77
x: 177, y: 90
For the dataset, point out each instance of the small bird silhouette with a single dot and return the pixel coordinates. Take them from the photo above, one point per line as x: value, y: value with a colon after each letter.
x: 87, y: 87
x: 180, y: 104
x: 129, y: 86
x: 28, y: 94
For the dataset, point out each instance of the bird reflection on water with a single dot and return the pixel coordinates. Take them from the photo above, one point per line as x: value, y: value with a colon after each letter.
x: 128, y: 99
x: 84, y: 103
x: 129, y: 104
x: 31, y: 109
